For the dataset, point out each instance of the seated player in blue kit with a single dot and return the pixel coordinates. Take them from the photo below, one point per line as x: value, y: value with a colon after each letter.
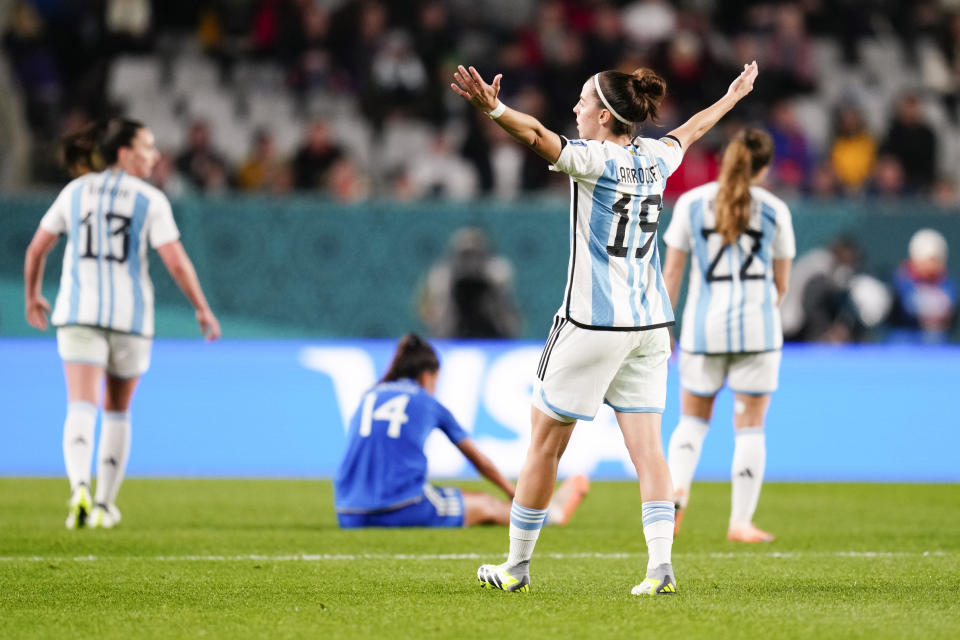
x: 381, y: 481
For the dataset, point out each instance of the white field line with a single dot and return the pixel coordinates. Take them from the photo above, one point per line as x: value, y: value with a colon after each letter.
x: 426, y: 557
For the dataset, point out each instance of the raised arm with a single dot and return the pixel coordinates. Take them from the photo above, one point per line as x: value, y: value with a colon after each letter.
x: 694, y: 128
x: 36, y: 306
x: 485, y: 466
x: 177, y: 262
x: 521, y: 126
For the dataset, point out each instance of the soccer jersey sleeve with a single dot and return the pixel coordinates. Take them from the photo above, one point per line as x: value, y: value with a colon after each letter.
x: 784, y: 244
x: 448, y: 424
x: 667, y: 150
x: 678, y: 233
x: 583, y: 159
x: 55, y: 219
x: 163, y: 228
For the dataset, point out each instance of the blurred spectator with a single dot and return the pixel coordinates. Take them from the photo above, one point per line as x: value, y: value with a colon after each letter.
x: 789, y: 56
x: 829, y: 299
x: 648, y: 22
x: 854, y: 151
x: 926, y: 297
x: 441, y: 173
x: 315, y: 157
x: 261, y: 169
x: 202, y: 166
x: 888, y: 178
x: 469, y: 294
x: 792, y: 159
x: 34, y: 63
x: 344, y: 183
x: 912, y: 142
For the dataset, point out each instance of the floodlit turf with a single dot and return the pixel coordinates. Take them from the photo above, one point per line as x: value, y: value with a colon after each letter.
x: 238, y: 559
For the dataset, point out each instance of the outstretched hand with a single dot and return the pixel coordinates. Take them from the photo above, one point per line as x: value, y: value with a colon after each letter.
x: 471, y: 86
x: 743, y: 84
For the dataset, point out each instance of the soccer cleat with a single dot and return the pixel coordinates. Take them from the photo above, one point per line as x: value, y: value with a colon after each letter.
x: 659, y: 582
x: 567, y: 498
x: 493, y: 576
x: 79, y: 505
x: 748, y: 533
x: 104, y: 516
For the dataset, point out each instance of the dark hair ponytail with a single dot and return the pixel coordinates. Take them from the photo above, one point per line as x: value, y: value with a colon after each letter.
x: 744, y: 158
x: 414, y: 356
x: 634, y: 96
x: 97, y: 146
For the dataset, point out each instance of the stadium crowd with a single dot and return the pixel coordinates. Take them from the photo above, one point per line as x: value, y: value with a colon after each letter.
x: 351, y: 98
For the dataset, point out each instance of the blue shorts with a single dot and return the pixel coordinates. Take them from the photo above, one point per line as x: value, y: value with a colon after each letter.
x: 438, y: 507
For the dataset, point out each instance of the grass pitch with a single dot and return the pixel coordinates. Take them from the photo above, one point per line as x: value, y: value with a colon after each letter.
x: 238, y: 559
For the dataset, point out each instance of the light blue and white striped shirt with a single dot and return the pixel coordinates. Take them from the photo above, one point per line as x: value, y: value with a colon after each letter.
x: 614, y: 280
x: 108, y: 218
x: 731, y: 302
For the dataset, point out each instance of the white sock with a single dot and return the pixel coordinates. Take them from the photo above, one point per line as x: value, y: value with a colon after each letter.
x: 683, y: 454
x: 113, y: 453
x: 658, y: 530
x: 746, y: 474
x: 78, y: 430
x: 525, y: 525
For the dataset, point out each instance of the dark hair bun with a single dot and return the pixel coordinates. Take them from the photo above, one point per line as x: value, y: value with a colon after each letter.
x: 649, y: 84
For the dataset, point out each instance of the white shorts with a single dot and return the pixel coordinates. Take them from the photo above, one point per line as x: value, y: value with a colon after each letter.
x: 703, y: 374
x: 123, y: 355
x: 581, y: 368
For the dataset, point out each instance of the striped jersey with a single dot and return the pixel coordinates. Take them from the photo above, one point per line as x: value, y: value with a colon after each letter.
x: 731, y: 302
x: 108, y: 218
x: 384, y: 467
x: 614, y: 280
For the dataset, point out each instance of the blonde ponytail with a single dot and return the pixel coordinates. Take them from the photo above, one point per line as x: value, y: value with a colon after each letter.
x: 743, y: 159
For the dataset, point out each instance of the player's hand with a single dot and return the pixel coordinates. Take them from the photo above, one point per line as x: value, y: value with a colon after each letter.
x: 471, y: 86
x: 209, y: 324
x: 37, y: 310
x: 744, y: 82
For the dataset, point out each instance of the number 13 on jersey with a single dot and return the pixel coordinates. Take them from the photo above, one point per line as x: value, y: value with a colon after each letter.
x: 393, y: 411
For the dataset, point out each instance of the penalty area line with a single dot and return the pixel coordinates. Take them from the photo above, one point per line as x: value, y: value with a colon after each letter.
x: 427, y: 557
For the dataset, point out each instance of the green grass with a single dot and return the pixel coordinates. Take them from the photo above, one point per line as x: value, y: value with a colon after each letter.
x: 239, y: 559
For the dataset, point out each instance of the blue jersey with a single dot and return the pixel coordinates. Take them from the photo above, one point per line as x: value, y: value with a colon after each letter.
x: 384, y: 466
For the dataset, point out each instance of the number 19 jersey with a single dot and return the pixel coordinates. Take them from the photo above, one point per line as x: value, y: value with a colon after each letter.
x: 109, y: 218
x: 614, y: 280
x: 731, y: 302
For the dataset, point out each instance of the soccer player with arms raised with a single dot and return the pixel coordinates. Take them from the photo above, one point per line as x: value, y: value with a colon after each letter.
x: 104, y: 309
x: 609, y: 341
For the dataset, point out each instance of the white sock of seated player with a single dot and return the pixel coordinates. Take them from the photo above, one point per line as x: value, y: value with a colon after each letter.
x: 683, y: 453
x: 658, y: 518
x: 746, y: 474
x: 525, y: 525
x: 78, y: 428
x: 113, y: 454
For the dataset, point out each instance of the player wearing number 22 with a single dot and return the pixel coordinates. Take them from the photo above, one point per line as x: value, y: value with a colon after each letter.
x: 740, y: 242
x: 381, y: 481
x: 609, y: 342
x: 104, y: 308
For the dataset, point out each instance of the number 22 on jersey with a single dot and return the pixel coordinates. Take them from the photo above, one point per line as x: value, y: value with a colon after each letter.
x: 393, y: 411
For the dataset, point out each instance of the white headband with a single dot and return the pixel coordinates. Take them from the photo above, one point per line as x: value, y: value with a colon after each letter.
x: 596, y: 83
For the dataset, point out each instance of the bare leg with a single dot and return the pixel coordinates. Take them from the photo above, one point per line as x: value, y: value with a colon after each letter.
x: 119, y: 393
x: 641, y: 433
x: 685, y: 446
x: 482, y: 508
x: 548, y: 441
x: 83, y: 382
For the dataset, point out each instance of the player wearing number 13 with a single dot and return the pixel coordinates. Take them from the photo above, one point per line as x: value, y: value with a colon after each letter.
x: 104, y: 309
x: 609, y: 342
